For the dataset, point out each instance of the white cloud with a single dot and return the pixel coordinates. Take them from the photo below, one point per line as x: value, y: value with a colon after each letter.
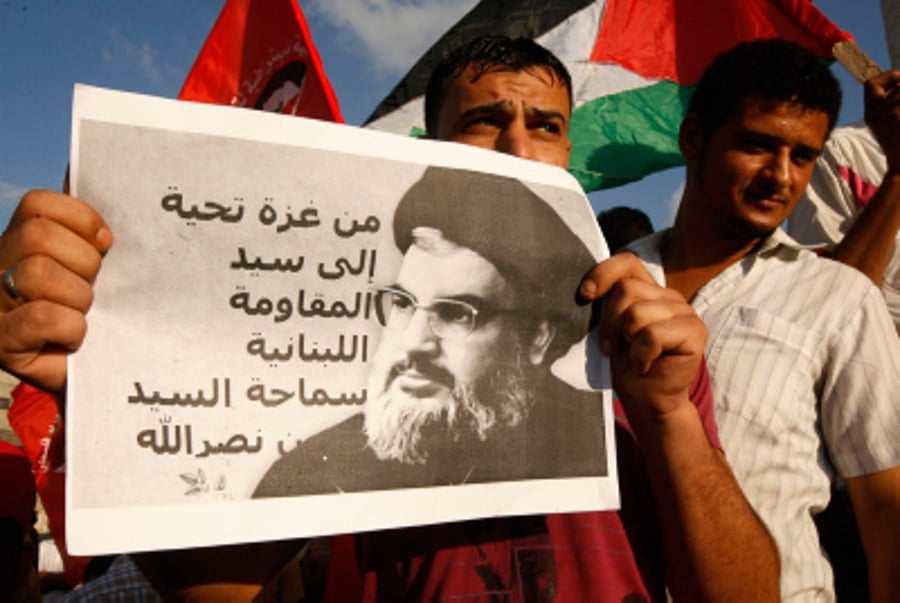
x: 144, y: 56
x: 393, y: 33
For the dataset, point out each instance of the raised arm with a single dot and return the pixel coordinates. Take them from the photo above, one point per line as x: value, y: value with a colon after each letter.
x: 868, y: 243
x: 655, y: 342
x: 50, y: 254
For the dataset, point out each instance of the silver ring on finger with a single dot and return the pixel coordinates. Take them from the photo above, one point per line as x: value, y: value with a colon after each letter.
x: 9, y: 284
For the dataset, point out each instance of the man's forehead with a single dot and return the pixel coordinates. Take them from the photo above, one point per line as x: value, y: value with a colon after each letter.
x: 428, y: 272
x: 762, y: 105
x: 474, y: 72
x: 753, y: 111
x: 474, y: 78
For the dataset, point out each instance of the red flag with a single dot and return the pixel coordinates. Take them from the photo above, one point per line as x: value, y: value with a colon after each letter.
x: 260, y: 55
x: 665, y: 39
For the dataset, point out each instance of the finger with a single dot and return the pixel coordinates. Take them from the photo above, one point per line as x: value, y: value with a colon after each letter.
x: 36, y: 338
x: 606, y: 274
x: 33, y: 325
x: 40, y: 277
x: 643, y: 314
x: 39, y: 236
x: 681, y: 335
x: 71, y: 213
x: 626, y: 310
x: 884, y: 80
x: 882, y: 92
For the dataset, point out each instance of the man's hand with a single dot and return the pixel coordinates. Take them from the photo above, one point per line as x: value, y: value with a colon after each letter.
x: 653, y: 337
x: 655, y: 342
x: 50, y: 254
x: 882, y: 102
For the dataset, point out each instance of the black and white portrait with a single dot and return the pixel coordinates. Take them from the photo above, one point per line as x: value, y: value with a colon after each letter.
x: 351, y: 329
x: 460, y: 389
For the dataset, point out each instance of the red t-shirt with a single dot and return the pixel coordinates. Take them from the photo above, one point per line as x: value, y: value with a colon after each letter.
x: 594, y: 556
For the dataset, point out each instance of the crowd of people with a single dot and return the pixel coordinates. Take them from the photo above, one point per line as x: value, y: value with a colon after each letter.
x: 753, y: 377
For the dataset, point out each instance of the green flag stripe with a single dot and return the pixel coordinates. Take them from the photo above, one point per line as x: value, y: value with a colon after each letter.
x: 621, y: 138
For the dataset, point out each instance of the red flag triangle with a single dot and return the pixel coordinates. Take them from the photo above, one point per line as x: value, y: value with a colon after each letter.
x: 260, y: 55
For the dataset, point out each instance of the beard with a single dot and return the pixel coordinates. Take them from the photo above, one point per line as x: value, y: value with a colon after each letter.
x: 408, y: 429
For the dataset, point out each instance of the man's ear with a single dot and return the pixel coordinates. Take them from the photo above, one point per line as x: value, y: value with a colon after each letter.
x: 690, y: 137
x: 540, y: 340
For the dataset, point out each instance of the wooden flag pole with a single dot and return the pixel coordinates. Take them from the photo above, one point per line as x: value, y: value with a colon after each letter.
x: 857, y: 62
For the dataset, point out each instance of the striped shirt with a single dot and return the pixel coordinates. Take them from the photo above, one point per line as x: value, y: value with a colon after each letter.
x: 805, y: 368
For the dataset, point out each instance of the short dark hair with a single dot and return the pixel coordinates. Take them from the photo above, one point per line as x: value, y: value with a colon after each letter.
x: 622, y: 225
x: 489, y: 54
x: 767, y: 69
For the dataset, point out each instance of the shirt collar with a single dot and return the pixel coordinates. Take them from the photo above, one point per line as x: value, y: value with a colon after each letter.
x: 780, y: 237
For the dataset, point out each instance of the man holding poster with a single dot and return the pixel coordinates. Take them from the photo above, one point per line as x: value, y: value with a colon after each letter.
x: 676, y: 465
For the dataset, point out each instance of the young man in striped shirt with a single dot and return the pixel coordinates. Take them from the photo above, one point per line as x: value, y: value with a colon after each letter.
x: 803, y: 355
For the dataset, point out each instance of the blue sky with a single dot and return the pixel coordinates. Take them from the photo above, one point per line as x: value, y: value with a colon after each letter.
x: 148, y: 46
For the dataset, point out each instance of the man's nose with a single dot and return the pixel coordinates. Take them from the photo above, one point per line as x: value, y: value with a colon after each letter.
x: 417, y: 335
x: 514, y: 140
x: 779, y: 168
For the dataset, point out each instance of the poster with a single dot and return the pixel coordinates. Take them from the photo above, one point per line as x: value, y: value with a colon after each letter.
x: 306, y: 328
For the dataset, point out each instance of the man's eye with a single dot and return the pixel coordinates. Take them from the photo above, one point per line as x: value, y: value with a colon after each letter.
x: 803, y: 157
x: 548, y: 127
x: 481, y: 122
x: 401, y: 302
x: 453, y: 313
x: 753, y: 147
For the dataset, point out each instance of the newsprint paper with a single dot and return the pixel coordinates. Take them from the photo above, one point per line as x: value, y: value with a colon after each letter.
x: 306, y: 328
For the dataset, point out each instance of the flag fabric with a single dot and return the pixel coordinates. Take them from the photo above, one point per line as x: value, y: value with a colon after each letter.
x: 259, y: 54
x: 634, y: 64
x: 35, y: 418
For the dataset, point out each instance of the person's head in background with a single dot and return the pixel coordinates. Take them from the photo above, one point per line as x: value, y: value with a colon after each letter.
x: 507, y: 95
x: 621, y: 225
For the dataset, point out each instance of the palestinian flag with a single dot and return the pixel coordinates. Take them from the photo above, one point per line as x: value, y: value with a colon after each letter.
x: 633, y: 64
x: 260, y: 54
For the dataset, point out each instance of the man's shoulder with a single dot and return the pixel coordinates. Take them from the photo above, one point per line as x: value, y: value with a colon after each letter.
x: 790, y: 257
x: 804, y: 298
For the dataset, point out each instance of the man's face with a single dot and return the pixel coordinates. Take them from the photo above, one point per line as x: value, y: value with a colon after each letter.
x: 524, y: 113
x: 753, y: 168
x: 420, y: 381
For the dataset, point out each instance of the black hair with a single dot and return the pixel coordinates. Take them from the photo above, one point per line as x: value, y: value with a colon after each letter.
x: 766, y: 69
x: 622, y: 225
x: 488, y: 54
